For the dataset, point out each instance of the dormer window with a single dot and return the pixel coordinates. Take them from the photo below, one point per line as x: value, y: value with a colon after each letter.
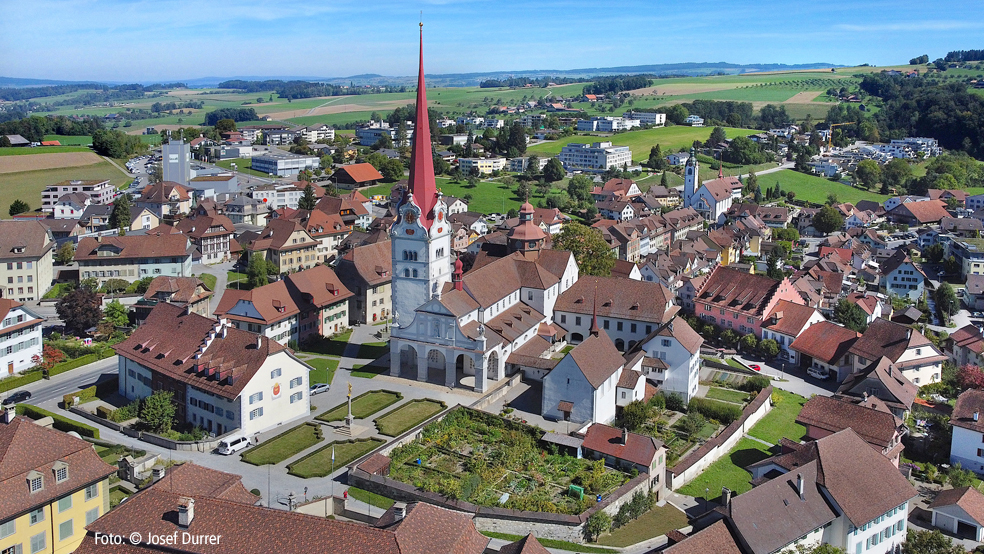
x: 61, y: 471
x: 35, y: 481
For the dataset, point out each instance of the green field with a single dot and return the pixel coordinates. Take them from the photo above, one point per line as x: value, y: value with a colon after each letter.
x: 363, y: 405
x: 670, y: 139
x: 780, y: 422
x: 553, y: 543
x: 68, y: 140
x: 319, y: 463
x: 657, y: 521
x: 324, y: 370
x: 487, y: 196
x: 27, y: 185
x: 242, y: 166
x: 285, y: 445
x: 728, y: 472
x: 21, y: 151
x: 727, y: 395
x: 408, y: 416
x: 815, y: 189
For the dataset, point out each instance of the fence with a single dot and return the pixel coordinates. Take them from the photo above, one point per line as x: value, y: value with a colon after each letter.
x: 698, y: 460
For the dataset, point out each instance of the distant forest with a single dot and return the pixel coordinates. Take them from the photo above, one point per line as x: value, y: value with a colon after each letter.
x: 293, y: 90
x: 541, y: 82
x: 964, y: 56
x: 104, y: 92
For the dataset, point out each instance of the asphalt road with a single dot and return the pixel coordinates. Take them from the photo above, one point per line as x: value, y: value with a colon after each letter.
x: 76, y: 379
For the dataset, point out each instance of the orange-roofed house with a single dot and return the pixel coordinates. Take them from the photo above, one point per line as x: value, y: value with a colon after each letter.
x: 357, y: 175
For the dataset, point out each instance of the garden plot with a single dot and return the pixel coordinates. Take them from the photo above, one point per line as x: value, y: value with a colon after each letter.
x: 490, y: 461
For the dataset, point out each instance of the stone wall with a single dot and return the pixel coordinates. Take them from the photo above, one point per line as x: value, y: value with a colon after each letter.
x: 686, y: 469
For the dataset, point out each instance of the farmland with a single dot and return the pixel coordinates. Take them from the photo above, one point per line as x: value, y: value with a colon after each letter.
x: 27, y: 185
x: 815, y: 189
x: 670, y: 139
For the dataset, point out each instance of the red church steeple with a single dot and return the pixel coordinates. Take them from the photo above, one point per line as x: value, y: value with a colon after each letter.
x: 422, y: 183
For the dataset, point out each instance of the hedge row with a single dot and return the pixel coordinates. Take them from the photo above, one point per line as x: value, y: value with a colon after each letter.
x: 713, y: 409
x: 81, y: 361
x: 83, y: 395
x: 14, y: 382
x: 62, y: 423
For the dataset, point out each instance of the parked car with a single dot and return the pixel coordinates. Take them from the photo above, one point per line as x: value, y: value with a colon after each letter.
x: 17, y: 397
x: 319, y: 388
x: 756, y: 367
x: 817, y: 373
x: 233, y: 444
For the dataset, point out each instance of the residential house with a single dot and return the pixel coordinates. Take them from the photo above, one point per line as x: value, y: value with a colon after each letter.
x: 869, y: 303
x: 969, y: 254
x: 616, y: 189
x: 880, y: 381
x: 785, y: 322
x: 26, y: 257
x: 98, y: 191
x: 823, y: 416
x: 314, y: 133
x: 329, y: 229
x: 286, y: 244
x: 352, y: 212
x: 628, y: 310
x: 20, y: 337
x: 134, y: 257
x: 190, y: 293
x: 962, y: 227
x: 836, y: 491
x: 618, y: 210
x: 918, y: 213
x: 965, y: 346
x: 671, y: 357
x: 581, y: 387
x: 277, y: 196
x: 367, y: 271
x: 53, y: 486
x: 740, y: 301
x: 166, y: 200
x: 826, y: 347
x: 678, y: 158
x: 70, y: 206
x: 908, y: 349
x: 222, y: 378
x: 959, y: 511
x: 902, y: 277
x: 967, y: 441
x: 455, y: 205
x: 356, y: 175
x: 308, y: 303
x: 211, y: 233
x: 627, y: 451
x: 245, y: 209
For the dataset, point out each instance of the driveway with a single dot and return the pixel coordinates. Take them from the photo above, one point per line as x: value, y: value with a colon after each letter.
x: 792, y: 378
x: 221, y: 273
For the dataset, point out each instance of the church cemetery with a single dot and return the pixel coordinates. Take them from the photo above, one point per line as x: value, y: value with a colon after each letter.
x: 492, y: 461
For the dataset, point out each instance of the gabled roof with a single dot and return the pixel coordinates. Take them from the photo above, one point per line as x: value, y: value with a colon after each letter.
x: 638, y: 449
x: 716, y: 538
x: 898, y: 390
x: 277, y: 233
x: 182, y: 289
x: 877, y: 427
x: 525, y: 545
x: 359, y: 173
x: 170, y: 338
x: 825, y: 341
x: 28, y: 449
x: 372, y: 263
x: 885, y: 338
x: 969, y: 499
x: 617, y: 298
x: 202, y: 226
x: 190, y: 479
x: 427, y: 528
x: 738, y: 290
x: 24, y: 239
x: 928, y: 211
x: 897, y: 259
x: 969, y: 403
x: 597, y: 358
x: 151, y: 245
x: 790, y: 318
x: 158, y: 193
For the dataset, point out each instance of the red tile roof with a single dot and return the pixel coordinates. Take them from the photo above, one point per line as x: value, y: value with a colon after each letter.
x: 193, y: 480
x: 885, y: 338
x: 638, y: 449
x: 359, y: 173
x: 825, y: 341
x: 597, y: 358
x: 715, y: 538
x: 617, y: 298
x: 969, y: 499
x: 970, y: 402
x: 737, y: 290
x: 876, y: 427
x: 788, y: 318
x: 152, y: 245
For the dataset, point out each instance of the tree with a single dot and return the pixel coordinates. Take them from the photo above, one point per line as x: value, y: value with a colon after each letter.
x: 579, y: 188
x: 748, y: 342
x: 533, y: 165
x: 769, y: 349
x: 635, y: 414
x: 117, y: 314
x: 656, y: 160
x: 970, y: 377
x: 225, y: 125
x: 828, y: 220
x: 79, y: 310
x: 599, y: 523
x: 553, y: 171
x: 730, y: 338
x: 18, y: 207
x: 774, y: 264
x: 895, y: 174
x: 959, y: 477
x: 868, y: 173
x: 392, y: 170
x: 158, y: 411
x: 717, y: 136
x: 66, y: 253
x: 119, y: 218
x: 50, y: 356
x: 308, y: 199
x: 593, y: 255
x: 851, y: 315
x: 256, y: 271
x: 115, y: 285
x: 663, y: 181
x: 517, y: 138
x: 946, y: 301
x: 4, y: 141
x: 930, y: 542
x: 693, y: 422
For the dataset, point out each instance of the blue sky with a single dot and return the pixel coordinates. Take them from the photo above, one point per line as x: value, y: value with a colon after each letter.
x: 131, y: 40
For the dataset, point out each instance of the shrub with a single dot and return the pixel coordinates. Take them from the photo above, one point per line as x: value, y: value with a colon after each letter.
x: 126, y: 413
x: 755, y: 383
x: 105, y: 413
x: 62, y: 423
x: 597, y: 524
x: 713, y: 409
x: 658, y: 401
x: 674, y: 402
x: 83, y: 395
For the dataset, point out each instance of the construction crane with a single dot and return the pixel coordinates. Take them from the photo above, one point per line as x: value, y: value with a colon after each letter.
x: 831, y: 135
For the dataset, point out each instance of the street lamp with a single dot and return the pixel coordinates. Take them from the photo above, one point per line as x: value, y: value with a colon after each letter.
x: 707, y: 493
x: 290, y: 501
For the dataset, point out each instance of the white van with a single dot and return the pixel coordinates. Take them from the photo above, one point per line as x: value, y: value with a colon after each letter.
x: 817, y: 373
x: 232, y: 444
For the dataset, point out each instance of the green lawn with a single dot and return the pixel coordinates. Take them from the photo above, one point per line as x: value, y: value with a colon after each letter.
x: 657, y: 521
x: 487, y: 196
x: 553, y: 543
x: 363, y: 405
x: 117, y: 495
x: 371, y: 499
x: 815, y: 189
x: 408, y: 416
x: 284, y: 445
x: 332, y: 346
x: 59, y: 290
x: 209, y: 280
x: 728, y: 471
x: 670, y: 139
x: 20, y: 151
x: 727, y: 395
x: 735, y: 363
x: 233, y: 276
x: 319, y: 464
x: 242, y: 166
x: 781, y: 420
x: 324, y: 370
x: 27, y: 185
x: 70, y: 140
x: 373, y: 350
x: 367, y: 371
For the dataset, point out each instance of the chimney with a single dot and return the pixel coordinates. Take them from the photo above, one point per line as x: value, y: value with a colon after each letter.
x: 186, y: 511
x: 158, y: 472
x: 259, y: 341
x: 799, y: 485
x: 977, y: 414
x: 725, y: 496
x: 9, y: 413
x: 399, y: 511
x: 625, y: 436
